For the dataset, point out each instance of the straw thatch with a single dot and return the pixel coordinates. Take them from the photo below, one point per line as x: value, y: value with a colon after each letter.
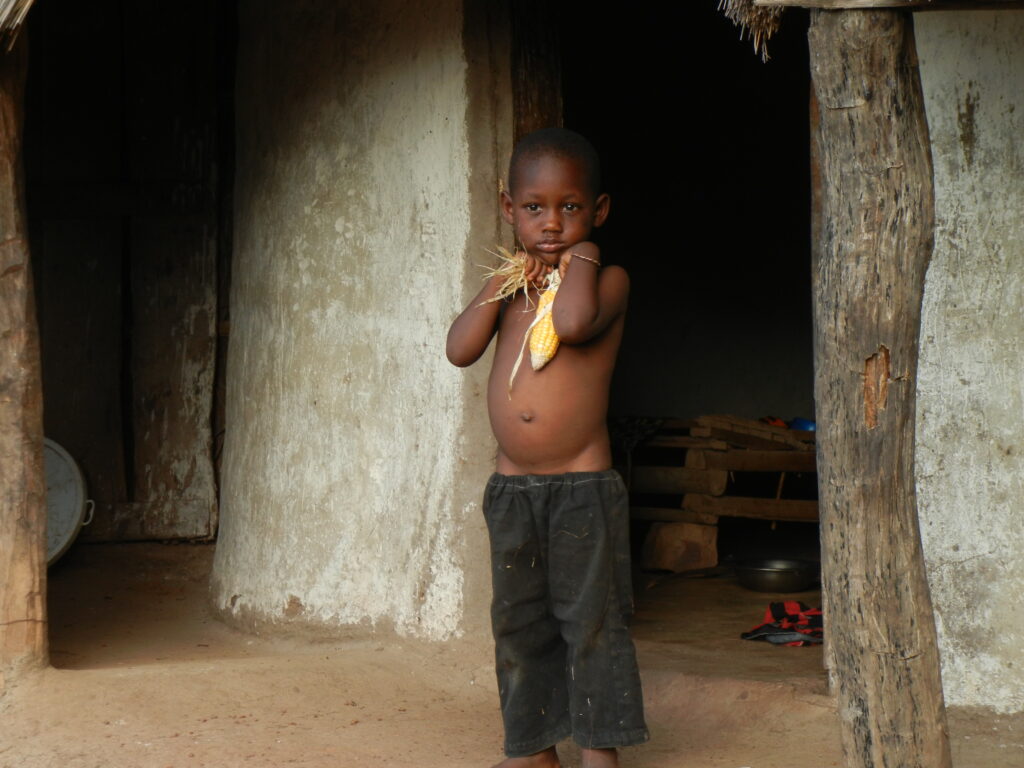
x: 12, y: 13
x: 758, y: 24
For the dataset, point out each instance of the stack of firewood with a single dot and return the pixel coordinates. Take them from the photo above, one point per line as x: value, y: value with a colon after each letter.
x: 693, y: 468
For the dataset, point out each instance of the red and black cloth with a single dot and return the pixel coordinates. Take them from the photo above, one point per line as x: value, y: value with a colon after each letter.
x: 789, y: 623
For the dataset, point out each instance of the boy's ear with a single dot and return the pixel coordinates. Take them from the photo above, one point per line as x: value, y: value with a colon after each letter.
x: 506, y: 206
x: 601, y: 207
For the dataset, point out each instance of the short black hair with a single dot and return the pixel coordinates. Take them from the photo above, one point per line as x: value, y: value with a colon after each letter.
x: 556, y: 142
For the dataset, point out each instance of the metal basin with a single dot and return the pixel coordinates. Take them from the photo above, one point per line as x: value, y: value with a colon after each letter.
x: 777, y: 575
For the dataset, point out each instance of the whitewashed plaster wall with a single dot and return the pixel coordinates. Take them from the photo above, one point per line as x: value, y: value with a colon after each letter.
x: 970, y: 419
x: 355, y: 454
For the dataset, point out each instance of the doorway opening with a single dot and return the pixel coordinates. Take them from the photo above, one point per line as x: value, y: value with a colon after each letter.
x: 128, y: 172
x: 705, y: 153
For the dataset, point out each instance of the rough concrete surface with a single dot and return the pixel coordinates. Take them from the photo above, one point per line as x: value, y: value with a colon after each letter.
x: 970, y: 432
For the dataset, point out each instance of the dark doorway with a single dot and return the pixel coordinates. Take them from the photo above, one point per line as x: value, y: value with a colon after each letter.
x: 128, y: 174
x: 706, y: 157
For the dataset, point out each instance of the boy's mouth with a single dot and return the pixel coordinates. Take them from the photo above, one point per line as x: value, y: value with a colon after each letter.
x: 550, y: 246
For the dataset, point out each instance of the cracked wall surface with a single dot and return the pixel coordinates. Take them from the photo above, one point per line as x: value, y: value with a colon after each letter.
x: 970, y: 418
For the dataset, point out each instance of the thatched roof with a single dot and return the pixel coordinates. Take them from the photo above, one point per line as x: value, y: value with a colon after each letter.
x: 756, y: 22
x: 759, y: 23
x: 12, y: 13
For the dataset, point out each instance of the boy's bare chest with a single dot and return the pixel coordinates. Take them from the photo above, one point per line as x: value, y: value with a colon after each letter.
x: 518, y: 314
x: 578, y: 360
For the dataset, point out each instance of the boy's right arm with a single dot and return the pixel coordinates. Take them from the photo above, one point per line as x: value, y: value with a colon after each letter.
x: 473, y: 329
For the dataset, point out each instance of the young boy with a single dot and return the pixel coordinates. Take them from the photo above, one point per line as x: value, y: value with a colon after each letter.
x: 556, y: 512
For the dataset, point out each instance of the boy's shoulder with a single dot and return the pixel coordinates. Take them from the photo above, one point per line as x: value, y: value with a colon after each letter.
x: 614, y: 272
x: 614, y: 280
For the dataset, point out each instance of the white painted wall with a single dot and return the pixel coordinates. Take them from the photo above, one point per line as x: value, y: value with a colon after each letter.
x: 970, y: 428
x: 348, y: 497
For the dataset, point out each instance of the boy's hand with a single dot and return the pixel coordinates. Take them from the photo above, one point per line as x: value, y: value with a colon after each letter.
x: 536, y: 270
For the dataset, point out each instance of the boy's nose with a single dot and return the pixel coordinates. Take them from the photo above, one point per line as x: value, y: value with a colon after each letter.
x: 553, y: 223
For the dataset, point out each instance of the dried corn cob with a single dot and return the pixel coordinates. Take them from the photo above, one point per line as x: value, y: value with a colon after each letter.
x: 543, y: 339
x: 544, y: 328
x: 540, y: 335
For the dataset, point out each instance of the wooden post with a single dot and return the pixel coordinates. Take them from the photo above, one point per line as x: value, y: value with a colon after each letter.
x: 22, y: 487
x: 874, y: 241
x: 536, y: 68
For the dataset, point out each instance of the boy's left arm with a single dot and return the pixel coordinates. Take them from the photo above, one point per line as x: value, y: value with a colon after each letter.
x: 590, y: 296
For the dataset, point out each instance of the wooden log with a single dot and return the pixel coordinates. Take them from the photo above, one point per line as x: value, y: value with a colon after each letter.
x: 673, y: 480
x: 685, y: 441
x: 795, y: 510
x: 672, y: 515
x: 791, y: 438
x: 875, y: 240
x: 758, y: 461
x: 695, y: 460
x: 679, y: 547
x: 816, y: 229
x: 536, y: 68
x: 745, y: 440
x: 22, y: 498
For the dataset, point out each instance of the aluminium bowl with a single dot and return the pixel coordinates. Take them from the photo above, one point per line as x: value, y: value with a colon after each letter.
x: 777, y: 575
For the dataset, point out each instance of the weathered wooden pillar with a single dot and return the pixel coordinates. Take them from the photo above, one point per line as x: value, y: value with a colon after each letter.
x: 874, y: 241
x: 536, y: 68
x: 22, y: 486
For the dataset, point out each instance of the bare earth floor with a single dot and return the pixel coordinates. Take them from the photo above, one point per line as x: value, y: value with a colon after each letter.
x: 144, y: 675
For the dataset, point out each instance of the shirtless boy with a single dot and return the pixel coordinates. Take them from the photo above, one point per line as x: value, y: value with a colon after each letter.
x: 556, y: 512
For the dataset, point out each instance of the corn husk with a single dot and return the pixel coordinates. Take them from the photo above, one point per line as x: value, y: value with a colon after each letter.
x: 757, y: 23
x: 512, y: 267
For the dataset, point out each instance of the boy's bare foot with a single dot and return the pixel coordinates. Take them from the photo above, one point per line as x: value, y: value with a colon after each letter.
x: 546, y: 759
x: 600, y: 758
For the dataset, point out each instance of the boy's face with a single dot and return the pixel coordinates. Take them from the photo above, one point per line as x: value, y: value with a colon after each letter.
x: 552, y: 207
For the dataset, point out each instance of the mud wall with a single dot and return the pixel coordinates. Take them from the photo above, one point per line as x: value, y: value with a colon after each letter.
x: 355, y: 454
x: 970, y: 428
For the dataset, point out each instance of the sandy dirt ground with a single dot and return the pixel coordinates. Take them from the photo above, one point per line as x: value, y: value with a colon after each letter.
x: 145, y: 676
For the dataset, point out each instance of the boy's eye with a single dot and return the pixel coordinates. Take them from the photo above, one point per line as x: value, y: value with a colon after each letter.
x: 532, y: 207
x: 571, y: 206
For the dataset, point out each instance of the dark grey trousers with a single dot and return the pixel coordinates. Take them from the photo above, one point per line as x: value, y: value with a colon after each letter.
x: 562, y: 602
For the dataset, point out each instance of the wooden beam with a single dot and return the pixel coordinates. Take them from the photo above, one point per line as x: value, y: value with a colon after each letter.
x: 22, y: 486
x: 757, y: 461
x: 916, y: 5
x: 790, y: 438
x: 875, y: 236
x: 793, y: 510
x: 684, y: 441
x: 536, y: 68
x: 747, y: 440
x: 670, y: 515
x: 673, y: 480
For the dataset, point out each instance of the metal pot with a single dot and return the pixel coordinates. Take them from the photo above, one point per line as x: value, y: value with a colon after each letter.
x: 777, y: 575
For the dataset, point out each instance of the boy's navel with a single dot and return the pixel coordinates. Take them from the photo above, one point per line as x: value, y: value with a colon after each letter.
x: 526, y: 416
